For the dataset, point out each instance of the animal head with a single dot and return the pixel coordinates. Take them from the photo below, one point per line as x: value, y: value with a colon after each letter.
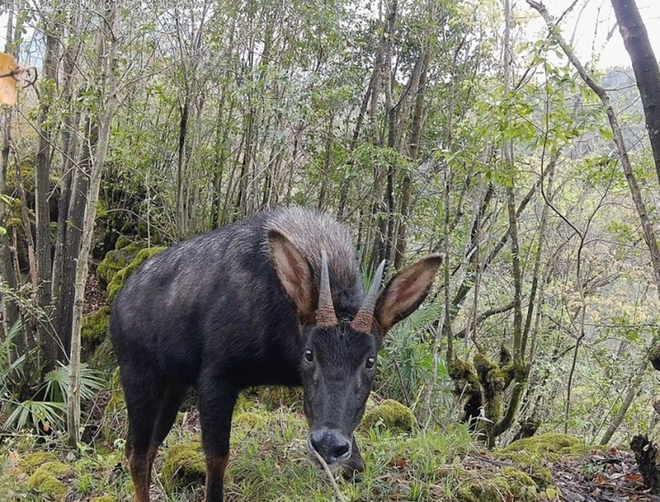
x: 339, y: 360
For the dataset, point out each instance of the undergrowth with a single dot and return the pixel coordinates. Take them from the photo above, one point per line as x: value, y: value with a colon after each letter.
x: 269, y: 461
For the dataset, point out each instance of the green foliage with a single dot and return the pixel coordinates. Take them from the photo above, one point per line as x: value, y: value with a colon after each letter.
x: 35, y: 412
x: 114, y: 423
x: 406, y: 364
x: 50, y: 412
x: 11, y: 365
x: 57, y: 383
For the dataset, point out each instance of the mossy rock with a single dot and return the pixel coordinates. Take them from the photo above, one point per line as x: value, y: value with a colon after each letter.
x: 114, y: 415
x: 57, y: 468
x: 46, y: 484
x: 183, y: 466
x: 391, y: 415
x: 95, y: 329
x: 116, y: 260
x: 104, y: 498
x: 507, y: 484
x: 551, y: 446
x: 32, y: 461
x: 275, y: 397
x: 122, y: 242
x: 120, y: 277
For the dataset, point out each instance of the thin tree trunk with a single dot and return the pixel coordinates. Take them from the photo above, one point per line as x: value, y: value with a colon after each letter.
x: 8, y: 309
x: 107, y: 65
x: 631, y: 393
x: 413, y: 149
x: 49, y: 343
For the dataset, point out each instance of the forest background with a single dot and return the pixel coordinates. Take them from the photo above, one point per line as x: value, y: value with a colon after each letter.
x: 423, y: 125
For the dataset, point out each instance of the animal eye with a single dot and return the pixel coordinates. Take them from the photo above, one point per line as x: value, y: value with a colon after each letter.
x: 309, y: 356
x: 371, y: 361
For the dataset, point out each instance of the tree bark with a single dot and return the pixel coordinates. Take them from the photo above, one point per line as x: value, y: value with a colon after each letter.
x: 107, y: 62
x: 50, y: 345
x: 645, y: 66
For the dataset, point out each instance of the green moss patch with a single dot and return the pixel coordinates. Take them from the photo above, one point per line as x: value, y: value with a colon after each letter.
x: 550, y: 446
x: 46, y: 484
x: 120, y: 276
x: 116, y: 260
x: 104, y: 357
x: 104, y: 498
x: 184, y: 466
x: 507, y: 484
x: 95, y: 329
x: 32, y: 461
x: 391, y: 415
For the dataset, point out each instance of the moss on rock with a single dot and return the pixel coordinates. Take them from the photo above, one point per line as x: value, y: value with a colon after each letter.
x: 116, y: 260
x: 32, y: 461
x: 122, y: 242
x: 392, y: 415
x: 550, y: 446
x: 46, y: 484
x: 184, y: 465
x: 104, y: 498
x: 507, y: 484
x: 57, y: 468
x: 120, y: 277
x: 95, y: 329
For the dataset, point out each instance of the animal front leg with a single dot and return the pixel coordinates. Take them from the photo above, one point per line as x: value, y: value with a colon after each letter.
x: 216, y: 404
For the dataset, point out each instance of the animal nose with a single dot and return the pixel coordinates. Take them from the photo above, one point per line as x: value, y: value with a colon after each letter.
x: 332, y: 446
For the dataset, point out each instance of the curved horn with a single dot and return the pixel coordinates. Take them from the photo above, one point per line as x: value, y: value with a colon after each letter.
x: 325, y: 314
x: 364, y: 319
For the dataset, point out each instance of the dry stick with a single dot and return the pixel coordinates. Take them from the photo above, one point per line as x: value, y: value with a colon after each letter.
x: 330, y: 476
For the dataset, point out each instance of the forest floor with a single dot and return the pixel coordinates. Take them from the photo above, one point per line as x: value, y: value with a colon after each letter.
x: 269, y: 463
x: 598, y: 476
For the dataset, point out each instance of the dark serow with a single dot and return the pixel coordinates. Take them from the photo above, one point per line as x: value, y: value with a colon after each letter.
x: 273, y: 300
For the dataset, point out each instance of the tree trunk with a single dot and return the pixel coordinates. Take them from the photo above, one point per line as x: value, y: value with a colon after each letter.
x: 51, y: 347
x: 107, y: 62
x: 631, y: 393
x: 645, y: 66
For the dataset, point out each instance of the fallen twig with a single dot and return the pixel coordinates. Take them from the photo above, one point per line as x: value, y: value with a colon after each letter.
x: 327, y: 470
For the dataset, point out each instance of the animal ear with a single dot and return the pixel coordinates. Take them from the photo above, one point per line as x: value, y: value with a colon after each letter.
x: 293, y: 271
x: 405, y: 292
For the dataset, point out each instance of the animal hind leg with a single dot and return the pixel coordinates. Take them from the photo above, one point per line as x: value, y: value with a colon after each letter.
x: 143, y: 391
x: 173, y: 396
